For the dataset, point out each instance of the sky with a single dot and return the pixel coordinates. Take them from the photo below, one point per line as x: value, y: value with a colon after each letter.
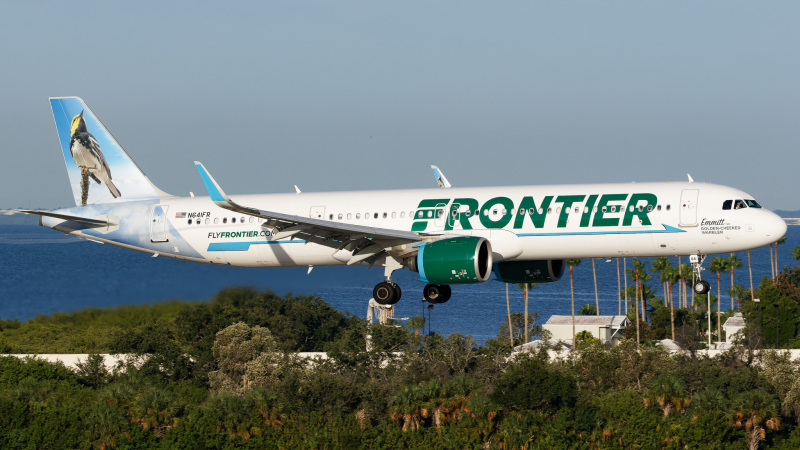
x: 367, y: 95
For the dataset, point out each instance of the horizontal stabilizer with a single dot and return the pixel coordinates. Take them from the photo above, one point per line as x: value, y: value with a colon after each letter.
x: 84, y: 220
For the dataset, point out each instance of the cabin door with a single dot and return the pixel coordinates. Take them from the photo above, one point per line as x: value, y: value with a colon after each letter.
x: 689, y: 208
x: 158, y: 223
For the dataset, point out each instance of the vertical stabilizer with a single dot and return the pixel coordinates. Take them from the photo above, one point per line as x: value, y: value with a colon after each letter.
x: 99, y: 169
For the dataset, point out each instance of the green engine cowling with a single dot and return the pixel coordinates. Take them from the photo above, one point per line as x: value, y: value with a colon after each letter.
x: 537, y: 271
x: 458, y: 260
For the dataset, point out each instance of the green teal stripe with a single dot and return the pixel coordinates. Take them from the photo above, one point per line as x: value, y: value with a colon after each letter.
x: 244, y: 246
x: 667, y: 229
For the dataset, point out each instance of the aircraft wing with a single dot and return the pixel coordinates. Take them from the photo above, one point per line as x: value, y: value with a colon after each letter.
x: 361, y: 239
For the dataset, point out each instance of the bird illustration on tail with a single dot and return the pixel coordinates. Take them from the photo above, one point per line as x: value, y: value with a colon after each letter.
x: 89, y: 158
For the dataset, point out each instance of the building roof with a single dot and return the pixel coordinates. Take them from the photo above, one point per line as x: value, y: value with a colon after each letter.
x: 601, y: 321
x: 736, y: 321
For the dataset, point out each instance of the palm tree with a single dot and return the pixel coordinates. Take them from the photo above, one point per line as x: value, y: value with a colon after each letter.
x: 682, y: 290
x: 596, y: 297
x: 619, y: 293
x: 737, y: 291
x: 780, y: 241
x: 717, y: 266
x: 625, y: 271
x: 796, y: 252
x: 660, y: 267
x: 508, y: 308
x: 686, y: 280
x: 750, y: 269
x: 733, y: 263
x: 572, y: 263
x: 525, y: 288
x: 672, y: 277
x: 771, y: 263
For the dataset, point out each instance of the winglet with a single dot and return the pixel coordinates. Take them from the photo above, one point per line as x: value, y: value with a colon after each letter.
x: 214, y: 191
x: 691, y: 180
x: 440, y: 178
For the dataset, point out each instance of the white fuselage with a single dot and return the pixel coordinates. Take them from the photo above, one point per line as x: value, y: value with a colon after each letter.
x: 521, y: 222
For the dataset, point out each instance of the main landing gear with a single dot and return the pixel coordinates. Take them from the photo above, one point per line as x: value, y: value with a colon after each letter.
x: 388, y: 293
x: 700, y: 286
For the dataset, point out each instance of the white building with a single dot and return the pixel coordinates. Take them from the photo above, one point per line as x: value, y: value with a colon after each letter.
x: 732, y: 326
x: 606, y: 328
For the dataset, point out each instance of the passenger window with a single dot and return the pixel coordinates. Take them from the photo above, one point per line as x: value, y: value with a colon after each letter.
x: 233, y: 219
x: 376, y: 215
x: 667, y: 207
x: 658, y: 208
x: 358, y: 215
x: 402, y: 214
x: 330, y: 217
x: 394, y: 214
x: 549, y: 210
x: 469, y: 212
x: 251, y: 220
x: 604, y: 209
x: 649, y: 207
x: 340, y: 216
x: 224, y: 220
x: 385, y: 215
x: 577, y: 209
x: 190, y: 221
x: 216, y: 220
x: 208, y: 221
x: 349, y: 216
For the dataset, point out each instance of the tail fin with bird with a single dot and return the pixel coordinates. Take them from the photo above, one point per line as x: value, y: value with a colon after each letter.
x: 92, y: 154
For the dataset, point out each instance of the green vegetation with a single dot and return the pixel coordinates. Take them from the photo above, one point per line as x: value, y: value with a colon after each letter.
x: 225, y: 374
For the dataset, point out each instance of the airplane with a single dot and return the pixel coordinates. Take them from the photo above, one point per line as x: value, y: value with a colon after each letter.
x: 458, y: 235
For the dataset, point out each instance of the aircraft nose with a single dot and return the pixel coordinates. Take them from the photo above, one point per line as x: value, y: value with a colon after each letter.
x: 775, y: 228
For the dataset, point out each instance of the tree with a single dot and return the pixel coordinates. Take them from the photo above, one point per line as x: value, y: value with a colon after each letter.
x: 796, y: 252
x: 672, y: 277
x: 750, y: 270
x: 525, y: 288
x: 717, y: 266
x: 733, y: 263
x: 780, y: 241
x: 416, y: 323
x: 619, y: 291
x: 246, y: 358
x: 596, y: 297
x: 660, y: 266
x: 518, y: 327
x: 588, y: 310
x: 572, y: 263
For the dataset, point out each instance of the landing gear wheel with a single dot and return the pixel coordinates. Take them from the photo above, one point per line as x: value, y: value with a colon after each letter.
x: 397, y: 293
x: 386, y: 293
x: 701, y: 287
x: 436, y: 293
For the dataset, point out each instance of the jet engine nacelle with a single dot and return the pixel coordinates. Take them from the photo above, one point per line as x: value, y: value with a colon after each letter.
x: 458, y: 260
x: 538, y: 271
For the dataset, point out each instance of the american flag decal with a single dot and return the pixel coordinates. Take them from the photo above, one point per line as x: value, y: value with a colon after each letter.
x: 180, y: 215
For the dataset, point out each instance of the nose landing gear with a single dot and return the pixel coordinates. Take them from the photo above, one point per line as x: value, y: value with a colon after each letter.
x: 700, y: 286
x: 386, y: 292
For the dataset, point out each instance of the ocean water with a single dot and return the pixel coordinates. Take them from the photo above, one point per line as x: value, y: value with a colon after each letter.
x: 44, y: 271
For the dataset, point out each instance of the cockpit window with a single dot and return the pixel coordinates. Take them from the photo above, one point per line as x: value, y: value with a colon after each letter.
x: 739, y: 204
x: 726, y: 205
x: 752, y: 203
